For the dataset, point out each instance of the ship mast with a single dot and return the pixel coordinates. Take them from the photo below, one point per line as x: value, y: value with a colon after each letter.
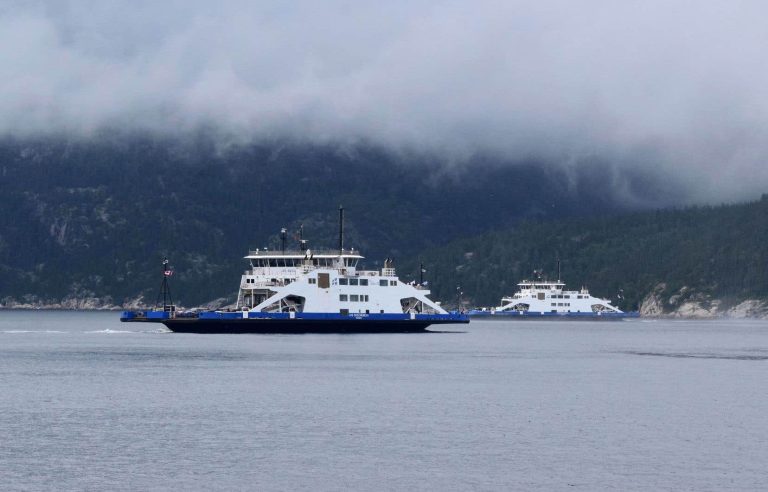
x: 165, y: 288
x: 341, y: 230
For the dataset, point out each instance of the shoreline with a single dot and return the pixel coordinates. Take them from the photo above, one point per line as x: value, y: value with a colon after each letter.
x: 115, y: 309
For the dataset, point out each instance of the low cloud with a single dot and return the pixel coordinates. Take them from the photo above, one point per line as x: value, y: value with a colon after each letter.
x: 674, y: 88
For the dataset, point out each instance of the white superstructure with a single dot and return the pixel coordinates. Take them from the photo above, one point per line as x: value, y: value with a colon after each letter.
x: 327, y: 282
x: 551, y: 297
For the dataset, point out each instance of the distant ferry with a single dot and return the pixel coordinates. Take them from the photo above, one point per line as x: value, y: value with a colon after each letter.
x: 305, y: 291
x: 549, y: 300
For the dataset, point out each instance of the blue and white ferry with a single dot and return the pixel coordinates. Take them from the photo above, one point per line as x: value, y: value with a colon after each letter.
x: 306, y: 291
x: 542, y: 299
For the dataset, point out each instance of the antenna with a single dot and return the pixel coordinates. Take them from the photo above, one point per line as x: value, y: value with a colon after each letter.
x: 558, y: 269
x: 341, y: 230
x: 283, y: 237
x: 302, y: 241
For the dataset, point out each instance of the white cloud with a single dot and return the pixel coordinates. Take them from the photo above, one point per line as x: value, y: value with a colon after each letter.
x: 677, y: 86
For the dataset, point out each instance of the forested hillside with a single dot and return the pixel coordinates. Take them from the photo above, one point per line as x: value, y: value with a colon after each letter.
x: 88, y: 222
x: 700, y: 254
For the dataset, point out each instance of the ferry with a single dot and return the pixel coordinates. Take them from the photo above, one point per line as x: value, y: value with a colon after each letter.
x: 542, y: 299
x: 306, y: 291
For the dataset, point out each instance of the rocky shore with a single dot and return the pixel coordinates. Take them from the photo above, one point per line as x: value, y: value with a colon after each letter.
x: 686, y: 303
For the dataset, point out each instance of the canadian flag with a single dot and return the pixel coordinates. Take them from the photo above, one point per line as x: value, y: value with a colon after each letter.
x: 168, y: 273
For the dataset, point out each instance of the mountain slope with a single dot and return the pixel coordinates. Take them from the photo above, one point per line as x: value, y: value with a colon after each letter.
x: 91, y: 220
x: 708, y: 259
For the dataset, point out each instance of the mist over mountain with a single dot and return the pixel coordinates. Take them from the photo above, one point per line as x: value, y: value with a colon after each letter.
x: 677, y: 91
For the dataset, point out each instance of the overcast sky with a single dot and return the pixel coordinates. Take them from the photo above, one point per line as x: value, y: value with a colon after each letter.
x: 678, y: 87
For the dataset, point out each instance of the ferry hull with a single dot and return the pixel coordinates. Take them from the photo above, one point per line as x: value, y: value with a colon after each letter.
x: 293, y: 326
x: 255, y: 322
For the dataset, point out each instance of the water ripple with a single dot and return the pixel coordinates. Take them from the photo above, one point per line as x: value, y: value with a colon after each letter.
x: 683, y: 355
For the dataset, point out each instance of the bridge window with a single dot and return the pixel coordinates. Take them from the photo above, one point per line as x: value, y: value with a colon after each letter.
x: 393, y: 282
x: 343, y: 297
x: 353, y: 281
x: 363, y: 281
x: 343, y: 281
x: 383, y: 283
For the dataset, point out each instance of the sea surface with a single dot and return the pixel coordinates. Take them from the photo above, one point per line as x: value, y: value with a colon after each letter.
x: 87, y: 402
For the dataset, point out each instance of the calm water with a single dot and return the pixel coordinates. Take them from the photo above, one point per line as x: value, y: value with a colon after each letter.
x: 89, y: 403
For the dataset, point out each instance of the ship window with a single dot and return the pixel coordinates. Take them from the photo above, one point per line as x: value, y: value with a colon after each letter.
x: 554, y: 304
x: 383, y: 283
x: 363, y: 281
x: 393, y: 282
x: 354, y: 298
x: 343, y: 281
x: 353, y: 281
x: 343, y: 297
x: 567, y: 297
x: 313, y: 281
x: 364, y: 298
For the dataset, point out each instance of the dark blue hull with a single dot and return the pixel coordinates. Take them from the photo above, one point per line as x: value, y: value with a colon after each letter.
x: 238, y: 322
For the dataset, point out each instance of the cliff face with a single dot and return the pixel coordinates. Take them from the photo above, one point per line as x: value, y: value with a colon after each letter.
x: 688, y: 303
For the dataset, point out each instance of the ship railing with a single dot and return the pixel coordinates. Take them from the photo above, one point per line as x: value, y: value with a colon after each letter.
x: 367, y: 273
x: 297, y: 252
x: 257, y: 285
